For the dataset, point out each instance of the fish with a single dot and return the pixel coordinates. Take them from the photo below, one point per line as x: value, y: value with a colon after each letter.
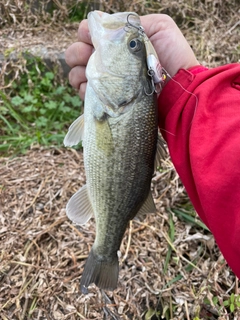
x: 120, y: 138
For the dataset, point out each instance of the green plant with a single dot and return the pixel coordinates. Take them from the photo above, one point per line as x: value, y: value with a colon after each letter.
x: 189, y: 216
x: 152, y: 314
x: 230, y: 305
x: 37, y: 108
x: 171, y: 238
x: 158, y: 312
x: 233, y: 302
x: 78, y: 11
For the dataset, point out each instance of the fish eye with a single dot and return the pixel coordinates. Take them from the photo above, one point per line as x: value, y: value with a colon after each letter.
x: 135, y: 45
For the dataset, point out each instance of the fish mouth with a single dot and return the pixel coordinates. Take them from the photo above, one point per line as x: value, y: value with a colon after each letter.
x: 112, y: 21
x: 109, y: 26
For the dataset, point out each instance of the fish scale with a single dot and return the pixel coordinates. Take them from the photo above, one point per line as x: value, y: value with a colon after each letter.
x: 120, y: 135
x: 124, y: 186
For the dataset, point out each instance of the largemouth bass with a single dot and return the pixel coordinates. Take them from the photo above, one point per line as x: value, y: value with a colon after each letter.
x: 119, y: 131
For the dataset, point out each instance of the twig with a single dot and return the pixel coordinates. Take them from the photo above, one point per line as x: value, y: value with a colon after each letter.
x: 37, y: 194
x: 54, y: 224
x: 75, y: 229
x: 128, y: 243
x: 45, y: 268
x: 186, y: 308
x: 233, y: 27
x: 236, y: 286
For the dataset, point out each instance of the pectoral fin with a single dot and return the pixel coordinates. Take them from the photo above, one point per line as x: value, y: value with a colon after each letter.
x: 104, y: 137
x: 160, y: 153
x: 75, y: 132
x: 148, y: 206
x: 79, y: 208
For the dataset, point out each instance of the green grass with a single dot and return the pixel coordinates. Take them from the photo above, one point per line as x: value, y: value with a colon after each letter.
x: 36, y: 109
x: 171, y: 238
x: 190, y: 216
x: 78, y: 11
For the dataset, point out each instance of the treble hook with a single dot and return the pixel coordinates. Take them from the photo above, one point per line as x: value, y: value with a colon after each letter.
x: 140, y: 29
x: 153, y: 63
x: 156, y: 87
x: 152, y: 85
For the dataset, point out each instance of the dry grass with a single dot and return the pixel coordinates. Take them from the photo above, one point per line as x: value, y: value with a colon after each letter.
x: 42, y: 254
x: 212, y: 27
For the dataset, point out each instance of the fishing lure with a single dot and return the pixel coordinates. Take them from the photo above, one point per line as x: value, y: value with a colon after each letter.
x: 157, y: 73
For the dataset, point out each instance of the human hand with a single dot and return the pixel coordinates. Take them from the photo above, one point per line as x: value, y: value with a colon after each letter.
x: 172, y: 48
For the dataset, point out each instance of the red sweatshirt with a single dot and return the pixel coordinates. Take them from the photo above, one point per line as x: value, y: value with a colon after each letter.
x: 203, y: 136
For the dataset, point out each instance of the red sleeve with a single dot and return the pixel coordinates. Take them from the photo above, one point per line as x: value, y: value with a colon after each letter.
x: 203, y: 135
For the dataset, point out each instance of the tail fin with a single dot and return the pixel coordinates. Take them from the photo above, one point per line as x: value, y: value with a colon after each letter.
x: 103, y: 273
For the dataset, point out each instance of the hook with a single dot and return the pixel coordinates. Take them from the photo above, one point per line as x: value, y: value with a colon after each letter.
x: 152, y: 85
x: 153, y: 64
x: 140, y: 29
x: 156, y: 87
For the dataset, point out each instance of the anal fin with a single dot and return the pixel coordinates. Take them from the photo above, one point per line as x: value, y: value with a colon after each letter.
x: 160, y: 152
x: 79, y: 208
x: 148, y: 206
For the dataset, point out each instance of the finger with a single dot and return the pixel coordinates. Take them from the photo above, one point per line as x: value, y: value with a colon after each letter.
x: 77, y: 76
x: 82, y: 90
x: 153, y: 23
x: 78, y: 54
x: 83, y: 32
